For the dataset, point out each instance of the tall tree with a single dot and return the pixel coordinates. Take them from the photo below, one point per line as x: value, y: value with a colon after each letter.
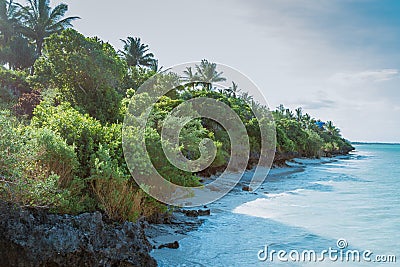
x: 289, y: 114
x: 331, y: 129
x: 299, y: 113
x: 233, y: 90
x: 208, y: 74
x: 14, y: 48
x: 20, y: 54
x: 87, y: 71
x: 39, y: 21
x: 136, y: 53
x: 247, y: 97
x: 190, y: 77
x: 306, y: 120
x: 156, y: 67
x: 8, y: 20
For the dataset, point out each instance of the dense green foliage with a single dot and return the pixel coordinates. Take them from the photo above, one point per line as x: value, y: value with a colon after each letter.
x: 87, y: 72
x: 61, y: 127
x: 22, y: 25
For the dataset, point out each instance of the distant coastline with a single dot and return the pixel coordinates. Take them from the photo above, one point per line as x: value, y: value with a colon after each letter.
x: 374, y: 143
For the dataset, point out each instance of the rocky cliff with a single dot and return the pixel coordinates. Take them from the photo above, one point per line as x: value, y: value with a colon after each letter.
x: 34, y: 237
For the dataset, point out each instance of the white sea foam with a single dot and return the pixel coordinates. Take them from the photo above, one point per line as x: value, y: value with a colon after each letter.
x: 291, y: 192
x: 330, y: 182
x: 313, y: 161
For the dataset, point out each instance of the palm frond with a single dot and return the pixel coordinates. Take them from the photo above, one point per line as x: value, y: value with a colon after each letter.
x: 58, y: 12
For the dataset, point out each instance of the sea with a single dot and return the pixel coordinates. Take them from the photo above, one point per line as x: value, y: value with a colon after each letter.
x: 342, y: 211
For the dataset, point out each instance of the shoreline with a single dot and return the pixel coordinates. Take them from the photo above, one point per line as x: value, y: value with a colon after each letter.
x: 91, y: 238
x: 168, y: 235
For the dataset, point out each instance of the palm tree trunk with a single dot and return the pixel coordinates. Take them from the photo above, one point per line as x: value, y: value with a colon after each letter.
x: 39, y: 47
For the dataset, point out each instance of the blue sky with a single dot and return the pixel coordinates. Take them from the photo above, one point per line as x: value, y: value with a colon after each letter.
x: 338, y: 59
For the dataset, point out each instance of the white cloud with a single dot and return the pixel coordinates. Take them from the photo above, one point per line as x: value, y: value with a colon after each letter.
x: 351, y: 78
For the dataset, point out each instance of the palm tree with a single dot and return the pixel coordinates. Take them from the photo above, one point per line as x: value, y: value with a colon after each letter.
x: 155, y: 67
x: 39, y: 21
x: 256, y: 107
x: 299, y: 114
x: 8, y: 20
x: 306, y: 120
x: 208, y: 74
x: 331, y: 129
x: 190, y: 77
x: 233, y: 90
x: 281, y: 110
x: 135, y: 53
x: 246, y: 97
x: 289, y: 114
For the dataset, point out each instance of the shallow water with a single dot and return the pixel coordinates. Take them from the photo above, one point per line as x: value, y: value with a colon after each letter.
x: 356, y: 198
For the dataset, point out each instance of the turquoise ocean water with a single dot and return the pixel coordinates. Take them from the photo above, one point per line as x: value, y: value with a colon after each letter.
x: 355, y: 198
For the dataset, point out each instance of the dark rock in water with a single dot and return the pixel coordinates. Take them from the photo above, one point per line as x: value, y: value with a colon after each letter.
x: 247, y: 188
x: 196, y: 213
x: 173, y: 245
x: 177, y: 229
x: 206, y: 212
x: 281, y: 158
x: 191, y: 213
x: 33, y: 237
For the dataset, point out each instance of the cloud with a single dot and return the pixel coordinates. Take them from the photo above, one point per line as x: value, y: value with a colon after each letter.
x: 367, y: 76
x: 319, y: 104
x: 318, y: 100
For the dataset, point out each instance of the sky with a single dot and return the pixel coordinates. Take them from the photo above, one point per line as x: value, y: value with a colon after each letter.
x: 338, y: 59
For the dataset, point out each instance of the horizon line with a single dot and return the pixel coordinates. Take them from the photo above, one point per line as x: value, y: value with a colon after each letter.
x: 372, y: 142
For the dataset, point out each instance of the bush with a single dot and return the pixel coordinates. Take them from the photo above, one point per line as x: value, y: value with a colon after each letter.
x: 12, y: 146
x: 294, y: 132
x: 82, y: 131
x: 102, y: 168
x: 313, y: 144
x: 115, y: 191
x: 37, y: 168
x: 46, y: 193
x: 50, y: 154
x: 283, y: 143
x: 14, y: 81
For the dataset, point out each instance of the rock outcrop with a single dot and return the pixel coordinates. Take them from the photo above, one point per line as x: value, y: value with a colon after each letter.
x: 34, y: 237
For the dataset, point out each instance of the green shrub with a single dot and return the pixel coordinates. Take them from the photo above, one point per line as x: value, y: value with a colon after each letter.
x: 81, y: 131
x: 283, y: 143
x: 294, y: 132
x: 47, y: 193
x: 87, y: 71
x: 12, y: 146
x: 38, y: 169
x: 115, y: 191
x: 50, y: 154
x: 313, y: 144
x: 14, y: 81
